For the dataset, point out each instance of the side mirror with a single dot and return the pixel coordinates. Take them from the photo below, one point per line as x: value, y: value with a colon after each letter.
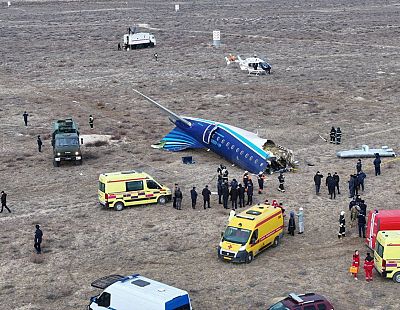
x: 93, y: 299
x: 222, y: 234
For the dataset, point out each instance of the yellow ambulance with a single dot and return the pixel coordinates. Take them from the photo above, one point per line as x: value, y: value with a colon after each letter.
x: 129, y: 188
x: 250, y: 232
x: 387, y: 254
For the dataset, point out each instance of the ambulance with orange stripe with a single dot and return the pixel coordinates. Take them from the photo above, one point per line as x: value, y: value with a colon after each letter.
x: 129, y: 188
x: 387, y: 254
x: 250, y: 232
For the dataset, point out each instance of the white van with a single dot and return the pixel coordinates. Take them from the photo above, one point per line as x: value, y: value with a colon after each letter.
x: 137, y: 292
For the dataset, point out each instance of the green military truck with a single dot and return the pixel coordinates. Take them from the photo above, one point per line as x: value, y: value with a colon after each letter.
x: 65, y: 142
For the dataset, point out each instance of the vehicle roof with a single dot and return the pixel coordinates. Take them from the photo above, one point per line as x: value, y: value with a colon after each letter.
x: 124, y: 176
x: 389, y: 236
x: 306, y: 298
x: 153, y: 290
x: 247, y: 220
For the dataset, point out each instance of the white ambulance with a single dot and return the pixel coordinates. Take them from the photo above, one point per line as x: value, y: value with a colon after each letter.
x: 136, y: 292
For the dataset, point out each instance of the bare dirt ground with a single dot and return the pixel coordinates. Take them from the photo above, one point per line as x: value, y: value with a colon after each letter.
x: 334, y: 63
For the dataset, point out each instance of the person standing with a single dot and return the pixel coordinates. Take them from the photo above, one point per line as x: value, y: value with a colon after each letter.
x: 225, y: 194
x: 355, y: 264
x: 174, y: 198
x: 337, y: 179
x: 260, y: 179
x: 39, y: 143
x: 4, y: 202
x: 155, y: 56
x: 206, y: 193
x: 281, y: 179
x: 300, y: 219
x: 352, y: 186
x: 178, y: 199
x: 119, y: 47
x: 234, y: 196
x: 338, y: 136
x: 317, y: 181
x: 292, y: 224
x: 25, y: 116
x: 193, y: 196
x: 241, y: 192
x: 331, y: 183
x: 361, y: 224
x: 360, y: 180
x: 250, y: 192
x: 332, y: 135
x: 91, y: 120
x: 225, y: 174
x: 38, y: 239
x: 377, y: 164
x: 245, y: 179
x: 359, y: 165
x: 342, y: 226
x: 219, y: 189
x: 368, y: 267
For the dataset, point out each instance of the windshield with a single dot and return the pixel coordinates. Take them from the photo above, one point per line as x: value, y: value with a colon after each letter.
x: 236, y: 235
x: 278, y: 306
x: 67, y: 141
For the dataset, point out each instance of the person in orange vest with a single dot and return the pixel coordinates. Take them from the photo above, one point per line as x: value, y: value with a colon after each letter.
x: 368, y: 267
x: 356, y: 263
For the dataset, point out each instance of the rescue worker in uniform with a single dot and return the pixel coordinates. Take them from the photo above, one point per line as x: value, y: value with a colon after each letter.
x: 342, y: 226
x: 4, y: 202
x: 178, y: 199
x: 292, y: 224
x: 206, y: 193
x: 25, y: 115
x: 331, y: 183
x: 356, y: 263
x: 317, y: 181
x: 361, y: 224
x: 300, y: 218
x: 360, y: 180
x: 377, y: 164
x: 332, y: 135
x: 225, y: 174
x: 234, y: 196
x: 91, y: 120
x: 245, y: 179
x: 219, y: 189
x: 260, y: 179
x: 368, y: 267
x: 352, y: 186
x: 241, y: 191
x: 225, y: 194
x: 359, y: 165
x: 250, y: 193
x: 39, y: 143
x: 193, y: 196
x: 38, y: 239
x: 119, y: 46
x: 337, y: 180
x: 281, y: 179
x: 338, y: 136
x: 174, y: 197
x: 156, y: 56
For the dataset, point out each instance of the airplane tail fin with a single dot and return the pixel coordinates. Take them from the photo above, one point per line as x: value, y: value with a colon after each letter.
x: 177, y: 140
x: 172, y: 116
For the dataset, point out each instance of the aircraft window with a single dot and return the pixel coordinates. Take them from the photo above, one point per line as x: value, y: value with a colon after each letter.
x: 262, y: 164
x: 223, y: 141
x: 213, y: 136
x: 228, y: 143
x: 232, y: 147
x: 256, y: 161
x: 251, y: 158
x: 241, y: 153
x: 218, y: 138
x: 247, y: 155
x: 237, y: 150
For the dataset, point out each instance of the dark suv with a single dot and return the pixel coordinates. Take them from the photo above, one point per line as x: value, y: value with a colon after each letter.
x: 308, y: 301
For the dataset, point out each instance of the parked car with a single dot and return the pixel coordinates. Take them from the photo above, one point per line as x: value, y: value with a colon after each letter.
x: 308, y: 301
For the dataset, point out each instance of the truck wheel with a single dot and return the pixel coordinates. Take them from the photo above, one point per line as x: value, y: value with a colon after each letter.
x: 56, y: 163
x: 276, y: 242
x: 118, y: 206
x: 396, y: 277
x: 161, y: 200
x: 249, y: 258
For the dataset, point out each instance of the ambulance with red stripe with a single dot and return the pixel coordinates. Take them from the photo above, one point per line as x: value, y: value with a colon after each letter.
x: 129, y: 188
x: 387, y: 254
x: 250, y: 232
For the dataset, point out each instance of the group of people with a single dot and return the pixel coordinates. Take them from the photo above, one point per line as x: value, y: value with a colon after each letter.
x: 292, y: 222
x: 332, y: 182
x: 368, y: 266
x: 335, y: 135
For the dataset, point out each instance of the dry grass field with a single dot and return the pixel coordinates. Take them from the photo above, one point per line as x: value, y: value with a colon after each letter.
x: 335, y: 63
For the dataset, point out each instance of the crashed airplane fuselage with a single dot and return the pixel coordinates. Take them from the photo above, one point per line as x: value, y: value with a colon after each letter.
x: 241, y: 147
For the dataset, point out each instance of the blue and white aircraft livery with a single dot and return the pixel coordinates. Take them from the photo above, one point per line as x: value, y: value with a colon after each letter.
x: 241, y: 147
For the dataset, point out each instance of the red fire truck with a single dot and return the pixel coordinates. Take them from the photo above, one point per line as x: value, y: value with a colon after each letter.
x: 381, y: 220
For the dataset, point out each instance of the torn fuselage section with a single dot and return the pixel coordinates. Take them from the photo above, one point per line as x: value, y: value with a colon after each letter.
x: 279, y: 158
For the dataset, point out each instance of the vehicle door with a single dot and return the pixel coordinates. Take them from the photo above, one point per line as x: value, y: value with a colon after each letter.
x: 135, y: 193
x: 102, y: 302
x: 152, y: 189
x: 255, y: 247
